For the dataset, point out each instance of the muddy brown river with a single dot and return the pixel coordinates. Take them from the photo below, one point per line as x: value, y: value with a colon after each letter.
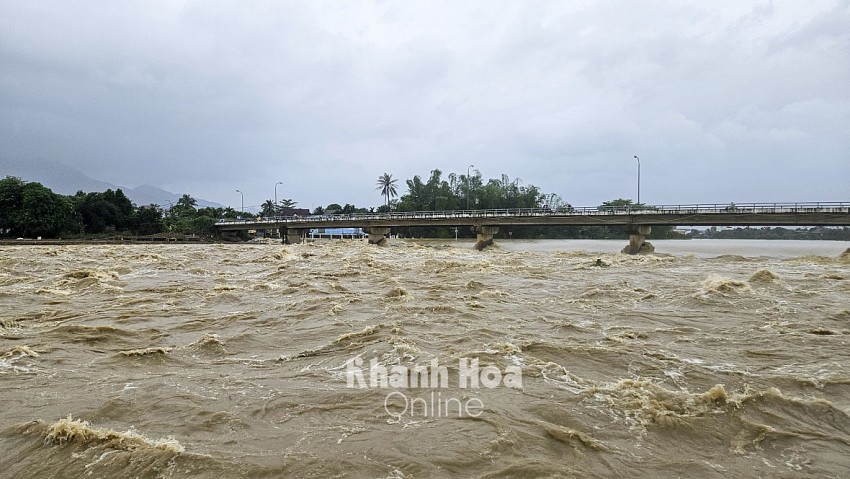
x: 429, y: 359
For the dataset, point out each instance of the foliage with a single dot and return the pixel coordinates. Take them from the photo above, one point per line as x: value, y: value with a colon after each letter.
x: 438, y: 194
x: 386, y: 185
x: 11, y: 200
x: 287, y: 203
x: 110, y: 210
x: 268, y: 208
x: 185, y: 206
x: 454, y: 192
x: 199, y: 222
x: 147, y: 220
x: 33, y: 210
x: 766, y: 232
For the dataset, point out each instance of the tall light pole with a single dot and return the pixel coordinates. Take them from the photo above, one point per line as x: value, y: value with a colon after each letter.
x: 638, y: 160
x: 467, y: 185
x: 242, y: 210
x: 275, y: 194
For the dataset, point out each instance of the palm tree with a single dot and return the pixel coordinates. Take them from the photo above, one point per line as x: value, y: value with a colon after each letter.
x: 386, y: 184
x: 185, y: 205
x: 285, y: 207
x: 187, y: 202
x: 287, y: 203
x: 268, y: 208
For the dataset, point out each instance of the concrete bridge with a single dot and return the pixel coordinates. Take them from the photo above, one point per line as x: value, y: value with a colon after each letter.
x: 638, y: 222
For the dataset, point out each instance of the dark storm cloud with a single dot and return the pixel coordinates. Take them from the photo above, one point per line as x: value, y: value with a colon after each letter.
x: 723, y: 101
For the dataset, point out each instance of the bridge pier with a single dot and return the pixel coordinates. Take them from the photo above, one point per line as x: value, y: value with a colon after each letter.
x: 230, y: 235
x: 293, y: 235
x: 637, y: 239
x: 484, y: 236
x: 377, y: 235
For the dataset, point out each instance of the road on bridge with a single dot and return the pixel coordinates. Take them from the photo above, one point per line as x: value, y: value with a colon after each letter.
x: 729, y: 214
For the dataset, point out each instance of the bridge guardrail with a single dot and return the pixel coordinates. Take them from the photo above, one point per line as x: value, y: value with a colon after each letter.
x: 699, y: 208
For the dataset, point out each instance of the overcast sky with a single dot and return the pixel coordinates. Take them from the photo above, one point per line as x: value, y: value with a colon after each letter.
x: 722, y: 100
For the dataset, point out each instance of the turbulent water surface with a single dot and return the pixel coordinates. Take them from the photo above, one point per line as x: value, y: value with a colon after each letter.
x: 254, y: 361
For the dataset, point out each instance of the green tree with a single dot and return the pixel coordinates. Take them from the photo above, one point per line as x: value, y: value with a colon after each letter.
x: 185, y: 206
x: 122, y: 204
x: 11, y: 199
x: 102, y: 211
x: 386, y: 185
x: 415, y: 199
x: 229, y: 213
x: 203, y: 225
x: 287, y: 203
x: 147, y: 220
x: 268, y: 208
x: 452, y: 194
x: 43, y: 213
x: 286, y: 207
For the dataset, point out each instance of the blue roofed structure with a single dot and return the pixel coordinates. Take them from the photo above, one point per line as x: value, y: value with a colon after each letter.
x: 337, y: 233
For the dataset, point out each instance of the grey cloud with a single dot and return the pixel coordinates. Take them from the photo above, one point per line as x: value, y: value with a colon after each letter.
x: 210, y: 97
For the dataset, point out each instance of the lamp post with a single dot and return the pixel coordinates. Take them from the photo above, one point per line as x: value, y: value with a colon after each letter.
x: 467, y: 185
x: 275, y: 194
x: 242, y: 210
x: 638, y: 197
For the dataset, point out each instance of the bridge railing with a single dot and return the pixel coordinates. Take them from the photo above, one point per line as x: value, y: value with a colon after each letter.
x: 681, y: 209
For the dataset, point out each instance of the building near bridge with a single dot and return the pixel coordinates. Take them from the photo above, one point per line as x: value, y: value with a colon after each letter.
x: 343, y: 233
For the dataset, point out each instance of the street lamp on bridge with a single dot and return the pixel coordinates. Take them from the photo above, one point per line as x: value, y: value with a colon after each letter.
x: 638, y: 196
x: 467, y: 185
x: 275, y: 194
x: 242, y: 210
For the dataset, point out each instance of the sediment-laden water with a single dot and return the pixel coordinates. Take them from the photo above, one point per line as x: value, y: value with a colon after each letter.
x: 248, y: 360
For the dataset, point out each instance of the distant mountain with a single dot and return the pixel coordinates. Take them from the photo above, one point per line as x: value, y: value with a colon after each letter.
x: 57, y: 176
x: 147, y: 195
x: 66, y: 180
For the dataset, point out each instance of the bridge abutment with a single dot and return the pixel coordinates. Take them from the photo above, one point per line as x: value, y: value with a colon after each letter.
x: 484, y: 236
x: 377, y: 235
x: 637, y: 239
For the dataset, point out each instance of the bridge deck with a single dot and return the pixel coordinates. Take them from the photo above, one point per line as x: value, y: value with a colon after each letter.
x: 745, y: 214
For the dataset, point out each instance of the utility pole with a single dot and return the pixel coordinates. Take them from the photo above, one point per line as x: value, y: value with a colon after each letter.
x: 275, y: 196
x: 638, y: 197
x: 467, y: 186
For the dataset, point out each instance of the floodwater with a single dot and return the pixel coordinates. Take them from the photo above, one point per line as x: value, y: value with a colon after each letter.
x: 701, y: 248
x: 340, y: 359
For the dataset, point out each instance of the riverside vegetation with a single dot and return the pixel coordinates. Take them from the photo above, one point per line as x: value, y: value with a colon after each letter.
x: 30, y: 210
